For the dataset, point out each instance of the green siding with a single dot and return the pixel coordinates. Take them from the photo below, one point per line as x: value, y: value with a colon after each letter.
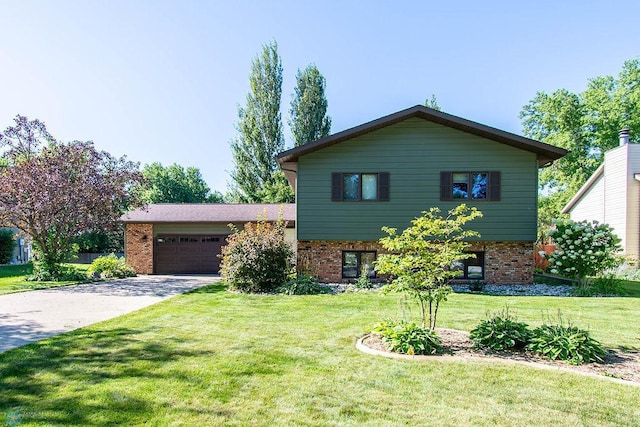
x: 414, y: 152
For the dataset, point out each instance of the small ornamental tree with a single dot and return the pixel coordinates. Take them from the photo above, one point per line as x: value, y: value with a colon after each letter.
x: 420, y: 258
x: 583, y: 249
x: 53, y: 191
x: 257, y: 258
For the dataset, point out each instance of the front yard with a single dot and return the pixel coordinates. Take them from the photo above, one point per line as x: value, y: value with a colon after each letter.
x: 216, y: 358
x: 12, y: 278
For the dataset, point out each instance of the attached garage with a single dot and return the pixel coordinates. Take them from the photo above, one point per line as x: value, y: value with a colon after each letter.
x: 187, y: 238
x: 188, y: 253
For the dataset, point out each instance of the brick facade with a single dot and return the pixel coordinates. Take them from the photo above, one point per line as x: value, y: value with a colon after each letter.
x: 505, y: 262
x: 139, y: 247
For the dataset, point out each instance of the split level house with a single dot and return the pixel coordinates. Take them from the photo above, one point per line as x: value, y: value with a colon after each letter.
x: 382, y: 173
x: 612, y: 195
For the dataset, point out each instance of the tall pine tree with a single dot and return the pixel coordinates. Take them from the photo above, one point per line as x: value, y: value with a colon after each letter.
x: 308, y: 115
x: 260, y: 134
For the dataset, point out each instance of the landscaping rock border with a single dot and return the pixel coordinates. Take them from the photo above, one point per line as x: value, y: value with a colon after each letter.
x: 621, y: 368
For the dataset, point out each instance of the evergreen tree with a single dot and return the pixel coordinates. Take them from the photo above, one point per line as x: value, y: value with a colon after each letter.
x: 308, y: 115
x: 260, y: 130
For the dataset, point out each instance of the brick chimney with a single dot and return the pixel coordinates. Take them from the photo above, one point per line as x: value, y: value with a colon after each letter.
x: 624, y: 136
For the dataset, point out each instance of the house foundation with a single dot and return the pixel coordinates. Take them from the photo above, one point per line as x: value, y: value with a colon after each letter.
x: 505, y: 263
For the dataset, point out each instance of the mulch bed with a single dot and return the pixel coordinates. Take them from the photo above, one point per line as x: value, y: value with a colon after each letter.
x: 617, y: 365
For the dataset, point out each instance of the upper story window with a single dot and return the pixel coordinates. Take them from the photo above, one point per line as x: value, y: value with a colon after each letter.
x: 470, y: 186
x: 355, y: 187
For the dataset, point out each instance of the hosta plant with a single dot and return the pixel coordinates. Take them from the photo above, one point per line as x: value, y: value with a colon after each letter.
x: 501, y: 332
x: 302, y: 284
x: 408, y: 338
x: 568, y: 343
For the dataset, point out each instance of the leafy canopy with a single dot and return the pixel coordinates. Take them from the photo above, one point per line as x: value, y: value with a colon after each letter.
x: 420, y: 258
x: 53, y: 190
x: 175, y: 184
x: 260, y: 136
x: 587, y: 125
x: 308, y: 114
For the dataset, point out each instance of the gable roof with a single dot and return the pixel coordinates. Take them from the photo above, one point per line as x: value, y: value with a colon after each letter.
x: 209, y: 213
x: 545, y: 153
x: 584, y: 189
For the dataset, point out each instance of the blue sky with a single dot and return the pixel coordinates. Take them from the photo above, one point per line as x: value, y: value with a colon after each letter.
x: 162, y: 80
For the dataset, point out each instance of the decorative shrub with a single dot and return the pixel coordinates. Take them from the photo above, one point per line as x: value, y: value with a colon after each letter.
x: 568, y: 343
x: 302, y: 284
x: 408, y: 338
x: 257, y: 258
x: 7, y: 244
x: 501, y: 332
x: 55, y: 273
x: 110, y: 266
x: 583, y: 249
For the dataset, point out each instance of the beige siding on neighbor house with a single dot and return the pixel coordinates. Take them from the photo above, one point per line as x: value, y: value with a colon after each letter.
x: 614, y: 197
x: 591, y: 204
x: 616, y: 191
x: 632, y: 247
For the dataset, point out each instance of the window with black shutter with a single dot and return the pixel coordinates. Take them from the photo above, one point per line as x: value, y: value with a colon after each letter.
x: 474, y: 186
x: 360, y: 186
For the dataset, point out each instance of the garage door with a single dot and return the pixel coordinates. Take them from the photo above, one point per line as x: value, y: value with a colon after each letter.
x: 188, y: 253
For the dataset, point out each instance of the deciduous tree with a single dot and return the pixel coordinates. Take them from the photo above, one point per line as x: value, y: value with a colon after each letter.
x: 587, y: 125
x: 420, y: 258
x: 260, y: 135
x: 53, y: 190
x: 308, y: 114
x: 175, y: 184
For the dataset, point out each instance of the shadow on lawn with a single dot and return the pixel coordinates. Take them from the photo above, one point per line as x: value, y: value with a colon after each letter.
x: 51, y: 381
x: 210, y: 289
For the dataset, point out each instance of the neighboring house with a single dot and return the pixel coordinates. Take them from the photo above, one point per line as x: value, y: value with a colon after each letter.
x: 386, y: 172
x: 187, y: 238
x: 612, y: 195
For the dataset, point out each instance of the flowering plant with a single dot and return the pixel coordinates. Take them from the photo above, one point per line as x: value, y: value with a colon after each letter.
x: 583, y: 248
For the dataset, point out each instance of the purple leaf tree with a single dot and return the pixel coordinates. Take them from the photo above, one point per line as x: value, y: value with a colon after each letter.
x: 52, y: 190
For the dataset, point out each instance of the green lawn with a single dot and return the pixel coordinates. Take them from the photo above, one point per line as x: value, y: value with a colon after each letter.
x: 217, y: 358
x: 12, y: 279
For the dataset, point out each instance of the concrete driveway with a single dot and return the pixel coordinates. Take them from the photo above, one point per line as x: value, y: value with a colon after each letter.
x: 26, y: 317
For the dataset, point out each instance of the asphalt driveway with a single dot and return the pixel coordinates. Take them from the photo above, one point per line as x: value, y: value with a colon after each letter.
x: 26, y: 317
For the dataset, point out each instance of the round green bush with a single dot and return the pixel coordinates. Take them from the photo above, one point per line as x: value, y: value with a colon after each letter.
x: 408, y: 338
x: 499, y: 333
x: 568, y: 343
x: 111, y: 267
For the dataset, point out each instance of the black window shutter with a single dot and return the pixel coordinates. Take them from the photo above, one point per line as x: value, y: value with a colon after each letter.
x: 336, y: 186
x: 383, y: 186
x: 494, y: 186
x: 446, y: 187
